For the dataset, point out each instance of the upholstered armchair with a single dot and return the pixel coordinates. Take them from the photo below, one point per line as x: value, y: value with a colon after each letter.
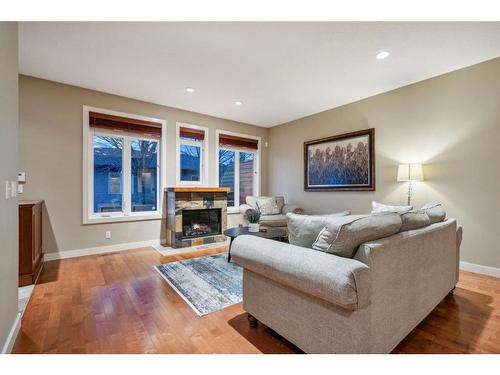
x: 273, y: 210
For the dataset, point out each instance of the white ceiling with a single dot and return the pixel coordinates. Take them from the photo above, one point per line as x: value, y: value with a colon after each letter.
x: 280, y: 71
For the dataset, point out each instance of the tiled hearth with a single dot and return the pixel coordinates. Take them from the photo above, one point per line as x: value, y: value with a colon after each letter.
x: 196, y: 216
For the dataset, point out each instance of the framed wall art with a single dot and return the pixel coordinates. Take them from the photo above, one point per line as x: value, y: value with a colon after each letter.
x: 341, y: 162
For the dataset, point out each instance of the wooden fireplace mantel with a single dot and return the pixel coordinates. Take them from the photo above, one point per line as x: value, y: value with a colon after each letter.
x: 187, y: 189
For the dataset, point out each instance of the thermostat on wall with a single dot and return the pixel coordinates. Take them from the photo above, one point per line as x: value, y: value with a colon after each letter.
x: 21, y: 177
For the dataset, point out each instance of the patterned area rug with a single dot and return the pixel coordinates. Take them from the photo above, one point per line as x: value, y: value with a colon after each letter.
x: 207, y: 283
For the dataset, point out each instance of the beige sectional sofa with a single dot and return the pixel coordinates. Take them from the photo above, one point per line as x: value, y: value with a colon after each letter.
x: 324, y: 303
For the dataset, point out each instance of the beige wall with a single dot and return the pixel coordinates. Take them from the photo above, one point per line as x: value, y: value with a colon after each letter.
x: 8, y: 172
x: 51, y: 155
x: 451, y: 123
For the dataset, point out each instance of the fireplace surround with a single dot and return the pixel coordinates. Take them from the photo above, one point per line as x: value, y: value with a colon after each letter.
x: 196, y: 215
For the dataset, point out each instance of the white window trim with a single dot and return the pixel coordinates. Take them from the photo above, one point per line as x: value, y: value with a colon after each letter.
x: 258, y: 160
x: 88, y: 216
x: 204, y: 155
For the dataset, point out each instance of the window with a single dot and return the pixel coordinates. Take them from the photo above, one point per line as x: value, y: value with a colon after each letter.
x: 121, y: 167
x: 108, y: 166
x: 191, y: 156
x: 238, y: 166
x: 144, y: 172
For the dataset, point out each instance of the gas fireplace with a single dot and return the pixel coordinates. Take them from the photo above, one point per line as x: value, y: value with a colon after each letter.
x: 196, y: 216
x: 198, y: 223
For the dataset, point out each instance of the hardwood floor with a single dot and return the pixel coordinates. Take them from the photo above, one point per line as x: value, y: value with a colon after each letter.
x: 117, y: 303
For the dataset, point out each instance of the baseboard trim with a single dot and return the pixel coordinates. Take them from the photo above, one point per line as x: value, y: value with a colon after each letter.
x: 478, y: 268
x: 65, y: 254
x: 11, y: 338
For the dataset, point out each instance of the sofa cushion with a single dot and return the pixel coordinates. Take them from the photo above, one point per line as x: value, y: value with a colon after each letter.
x: 343, y: 235
x: 252, y: 201
x: 341, y: 281
x: 268, y: 206
x: 435, y: 211
x: 273, y: 220
x: 303, y: 229
x: 414, y: 219
x: 380, y: 207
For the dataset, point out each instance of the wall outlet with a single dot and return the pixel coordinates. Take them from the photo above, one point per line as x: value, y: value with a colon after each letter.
x: 108, y: 234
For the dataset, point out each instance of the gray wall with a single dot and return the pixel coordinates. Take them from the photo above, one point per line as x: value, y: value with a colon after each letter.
x: 50, y: 152
x: 8, y: 172
x: 450, y: 123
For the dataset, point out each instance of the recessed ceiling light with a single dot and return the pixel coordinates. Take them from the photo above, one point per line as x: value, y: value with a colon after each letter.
x: 190, y: 89
x: 238, y: 103
x: 382, y: 55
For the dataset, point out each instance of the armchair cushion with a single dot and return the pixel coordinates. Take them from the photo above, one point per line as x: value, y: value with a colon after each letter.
x: 280, y: 201
x: 273, y: 220
x: 268, y: 206
x: 252, y: 201
x: 244, y: 208
x: 341, y: 281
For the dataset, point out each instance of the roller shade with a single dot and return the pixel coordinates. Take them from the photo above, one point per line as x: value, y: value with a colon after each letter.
x: 130, y: 125
x: 190, y: 133
x: 234, y: 141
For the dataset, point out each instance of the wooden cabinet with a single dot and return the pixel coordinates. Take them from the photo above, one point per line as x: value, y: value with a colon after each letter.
x: 30, y: 241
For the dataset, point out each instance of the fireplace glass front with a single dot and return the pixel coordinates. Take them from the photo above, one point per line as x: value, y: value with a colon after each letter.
x: 199, y: 223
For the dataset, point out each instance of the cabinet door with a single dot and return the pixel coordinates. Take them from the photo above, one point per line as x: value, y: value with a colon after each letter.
x: 37, y: 233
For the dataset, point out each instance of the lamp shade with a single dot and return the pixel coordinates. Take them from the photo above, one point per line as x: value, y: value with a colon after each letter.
x: 410, y: 172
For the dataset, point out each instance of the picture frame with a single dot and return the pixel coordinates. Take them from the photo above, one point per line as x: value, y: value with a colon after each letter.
x: 344, y: 162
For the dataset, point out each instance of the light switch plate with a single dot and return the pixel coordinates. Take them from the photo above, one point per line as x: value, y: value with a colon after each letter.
x: 7, y: 189
x: 13, y: 189
x: 21, y: 176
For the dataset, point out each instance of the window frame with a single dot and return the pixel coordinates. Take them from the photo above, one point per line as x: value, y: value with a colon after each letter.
x: 88, y: 216
x: 203, y: 159
x: 257, y: 166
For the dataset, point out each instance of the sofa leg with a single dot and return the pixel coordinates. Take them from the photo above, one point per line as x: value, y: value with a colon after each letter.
x: 451, y: 291
x: 252, y: 321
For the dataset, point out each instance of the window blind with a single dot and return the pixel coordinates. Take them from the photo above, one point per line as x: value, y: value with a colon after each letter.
x: 130, y: 125
x: 191, y: 133
x: 234, y: 141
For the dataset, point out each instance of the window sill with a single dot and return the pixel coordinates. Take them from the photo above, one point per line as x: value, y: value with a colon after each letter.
x: 233, y: 210
x: 122, y: 218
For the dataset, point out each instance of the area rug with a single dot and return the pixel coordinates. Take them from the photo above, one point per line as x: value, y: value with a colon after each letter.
x: 206, y: 283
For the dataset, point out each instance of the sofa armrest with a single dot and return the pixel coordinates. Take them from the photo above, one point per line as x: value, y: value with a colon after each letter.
x: 341, y: 281
x: 244, y: 208
x: 290, y: 208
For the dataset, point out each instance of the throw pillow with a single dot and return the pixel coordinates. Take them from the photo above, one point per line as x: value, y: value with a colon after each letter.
x: 252, y: 201
x: 268, y: 206
x: 380, y: 207
x: 414, y: 220
x: 435, y: 211
x: 303, y: 229
x: 280, y: 201
x: 342, y: 236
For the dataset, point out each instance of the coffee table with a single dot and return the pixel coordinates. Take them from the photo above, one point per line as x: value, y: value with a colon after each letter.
x: 271, y: 233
